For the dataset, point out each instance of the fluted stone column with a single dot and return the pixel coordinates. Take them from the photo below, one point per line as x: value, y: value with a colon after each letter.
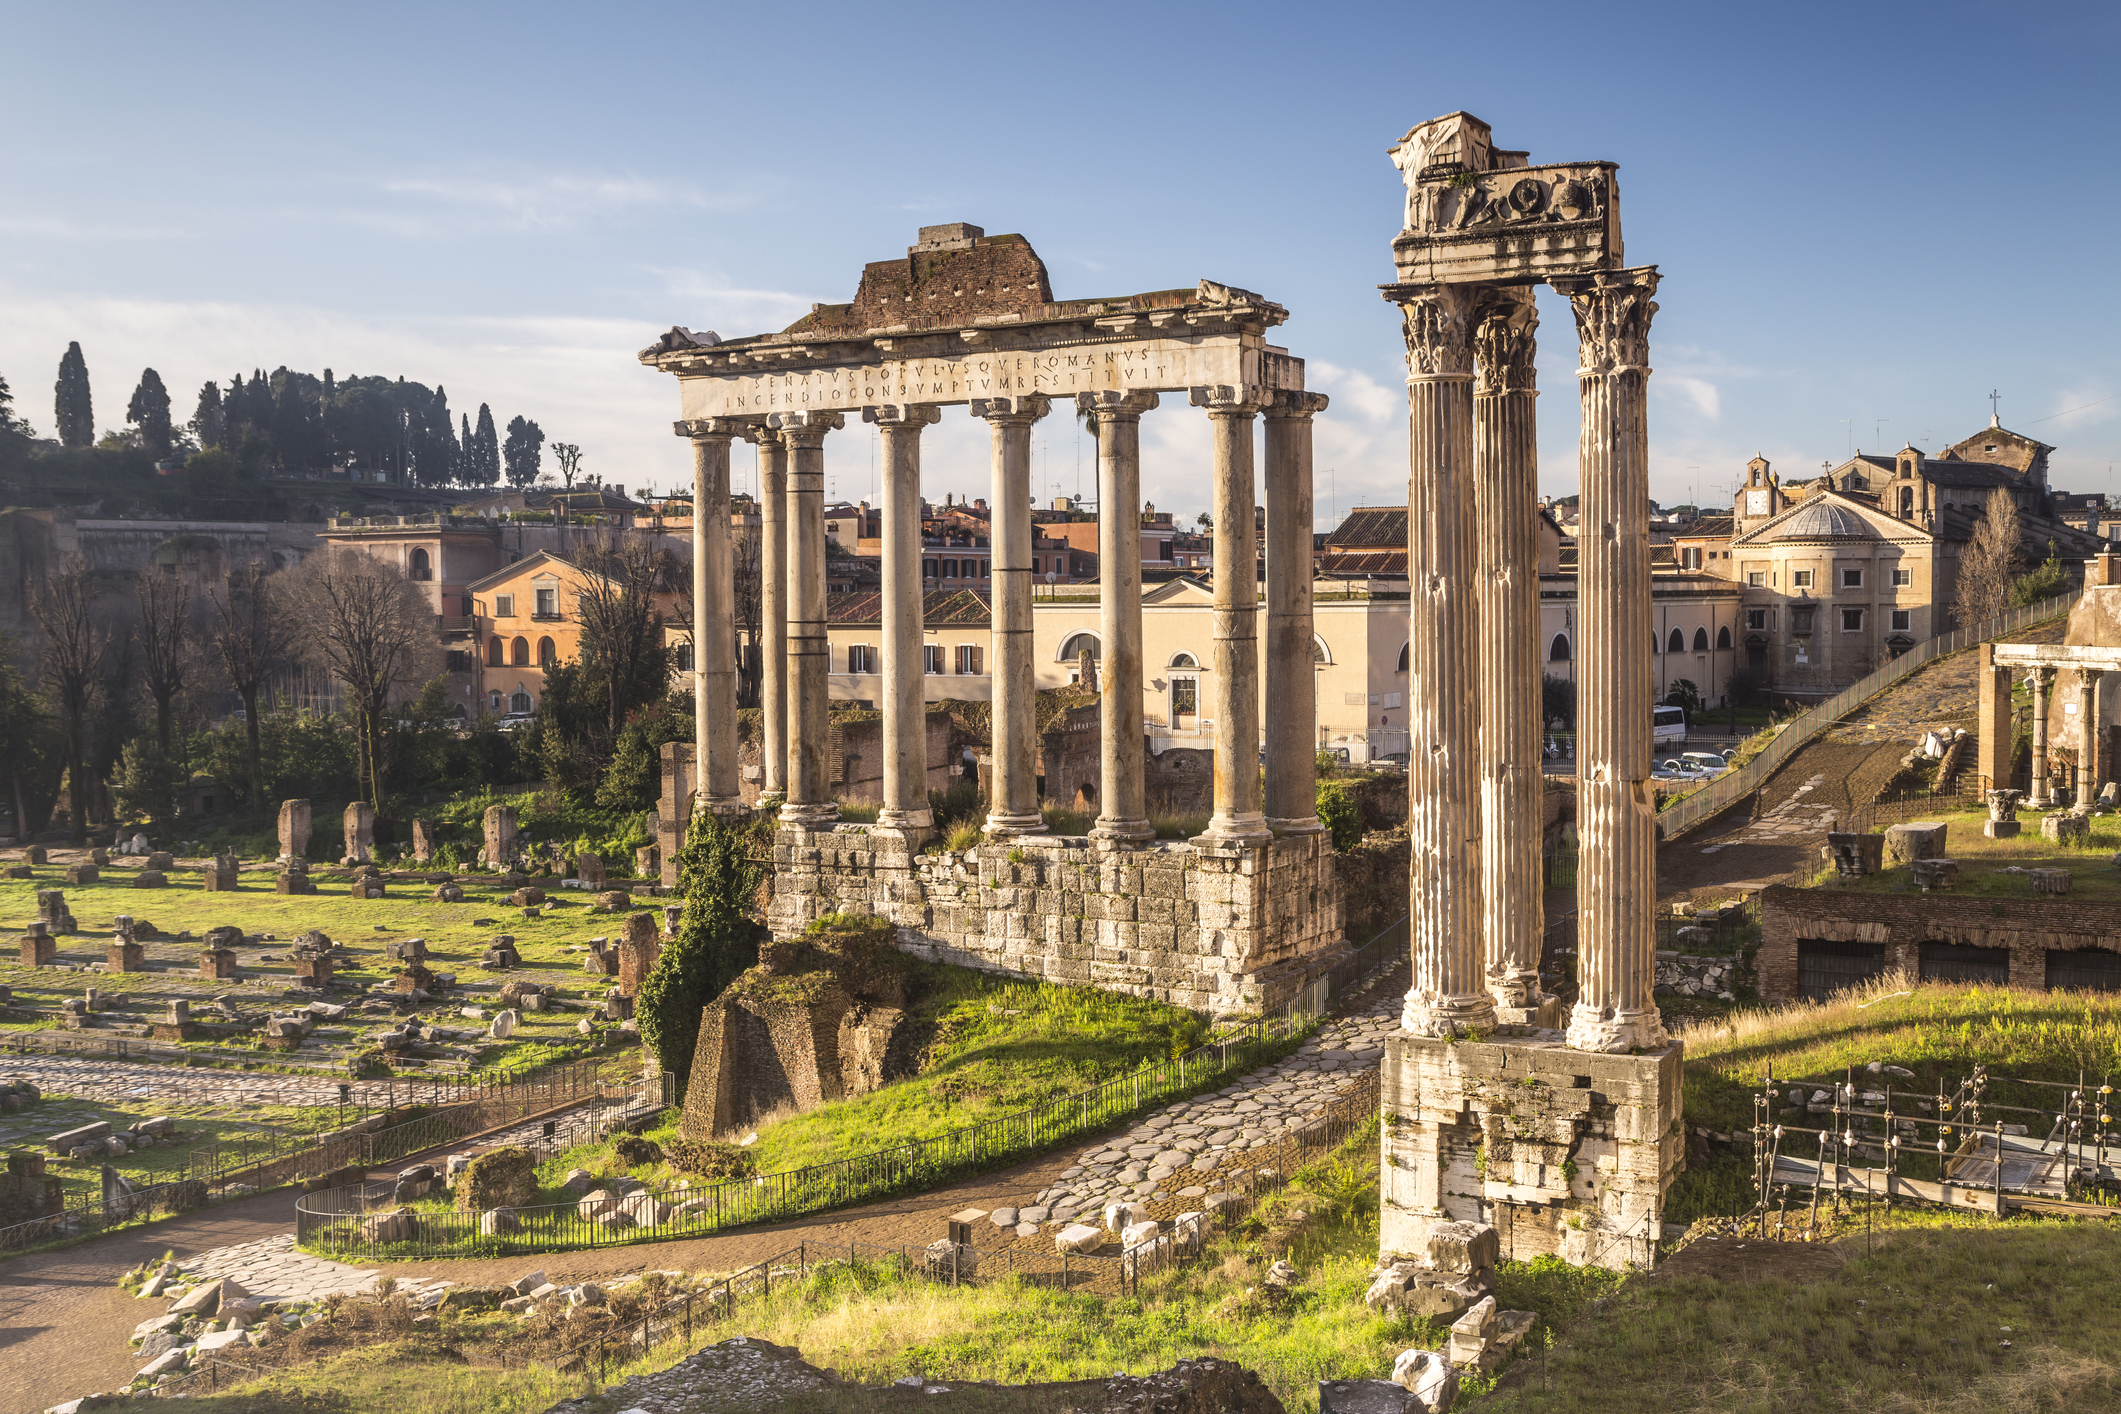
x: 1616, y: 821
x: 1291, y: 669
x: 1506, y: 511
x: 773, y: 615
x: 713, y: 617
x: 1233, y: 687
x: 810, y: 801
x: 2087, y: 772
x: 1443, y: 711
x: 905, y: 804
x: 1012, y: 804
x: 1116, y: 418
x: 2043, y: 683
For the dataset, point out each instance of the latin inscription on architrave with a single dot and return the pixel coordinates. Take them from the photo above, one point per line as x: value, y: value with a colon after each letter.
x: 1148, y: 365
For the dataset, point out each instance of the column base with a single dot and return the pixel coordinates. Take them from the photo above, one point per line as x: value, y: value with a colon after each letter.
x: 723, y: 805
x: 1448, y: 1017
x: 1613, y: 1033
x: 1238, y: 827
x: 1547, y: 1013
x: 1302, y: 825
x: 1004, y: 826
x: 2040, y: 802
x: 1109, y: 830
x: 809, y: 817
x: 922, y: 819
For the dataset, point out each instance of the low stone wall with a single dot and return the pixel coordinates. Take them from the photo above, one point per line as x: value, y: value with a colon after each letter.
x: 1679, y: 974
x: 2028, y: 929
x: 1214, y: 929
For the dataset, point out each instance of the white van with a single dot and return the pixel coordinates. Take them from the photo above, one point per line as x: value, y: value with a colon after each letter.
x: 1670, y: 724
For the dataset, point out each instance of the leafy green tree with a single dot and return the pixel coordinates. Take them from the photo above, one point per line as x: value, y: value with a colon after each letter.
x: 524, y: 450
x: 2046, y: 580
x: 717, y: 939
x: 1340, y: 814
x: 145, y: 783
x: 149, y: 411
x: 71, y: 404
x: 76, y: 643
x: 30, y: 744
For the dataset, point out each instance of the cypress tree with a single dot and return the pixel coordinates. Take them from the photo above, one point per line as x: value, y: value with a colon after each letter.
x: 525, y: 443
x: 489, y: 463
x: 208, y: 422
x: 149, y: 411
x: 470, y: 471
x: 71, y: 406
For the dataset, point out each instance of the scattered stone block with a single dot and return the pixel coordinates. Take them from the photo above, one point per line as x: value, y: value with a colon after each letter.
x: 73, y: 1139
x: 1918, y: 839
x: 2067, y: 828
x: 1463, y: 1247
x: 2049, y: 881
x: 122, y: 956
x: 504, y: 1026
x: 100, y: 856
x: 614, y: 901
x: 201, y: 1301
x: 293, y: 878
x: 217, y: 963
x: 150, y: 879
x: 589, y: 868
x: 53, y: 913
x: 1853, y: 856
x: 648, y: 861
x: 313, y: 969
x: 1079, y: 1237
x: 1935, y: 874
x: 223, y: 873
x: 39, y: 947
x: 529, y: 896
x: 18, y: 871
x: 448, y: 893
x: 35, y: 854
x: 161, y: 859
x: 82, y: 874
x: 294, y: 830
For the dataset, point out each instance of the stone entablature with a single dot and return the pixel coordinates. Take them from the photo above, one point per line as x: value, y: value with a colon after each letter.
x: 2028, y: 931
x: 1219, y: 930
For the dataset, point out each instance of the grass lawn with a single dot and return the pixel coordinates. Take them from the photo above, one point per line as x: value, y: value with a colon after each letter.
x: 1983, y: 861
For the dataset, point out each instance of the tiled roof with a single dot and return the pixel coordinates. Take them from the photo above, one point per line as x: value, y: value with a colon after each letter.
x: 1357, y: 564
x: 940, y: 608
x: 1371, y: 527
x: 1708, y: 527
x: 1968, y: 474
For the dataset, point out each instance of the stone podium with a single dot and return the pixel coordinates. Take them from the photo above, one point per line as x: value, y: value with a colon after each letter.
x: 499, y: 826
x: 360, y: 825
x: 294, y: 830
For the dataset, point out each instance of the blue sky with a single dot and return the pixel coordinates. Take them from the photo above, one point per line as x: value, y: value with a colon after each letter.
x: 1862, y: 212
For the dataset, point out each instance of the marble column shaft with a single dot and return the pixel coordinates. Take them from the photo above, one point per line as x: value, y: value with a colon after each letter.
x: 1012, y: 805
x: 1512, y: 784
x: 1443, y: 665
x: 809, y: 786
x: 1616, y: 888
x: 2087, y: 772
x: 1233, y: 687
x: 905, y: 805
x: 1116, y: 417
x: 1291, y: 670
x: 2042, y: 794
x: 713, y: 617
x: 772, y: 643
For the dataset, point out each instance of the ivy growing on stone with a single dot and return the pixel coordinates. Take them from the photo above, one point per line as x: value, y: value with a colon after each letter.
x: 717, y: 939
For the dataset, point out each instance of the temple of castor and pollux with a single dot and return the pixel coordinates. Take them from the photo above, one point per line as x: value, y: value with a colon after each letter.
x: 1560, y: 1128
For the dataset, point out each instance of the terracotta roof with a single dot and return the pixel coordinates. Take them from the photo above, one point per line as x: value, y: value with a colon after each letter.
x: 1708, y: 527
x: 1357, y: 564
x: 940, y: 608
x: 1371, y: 527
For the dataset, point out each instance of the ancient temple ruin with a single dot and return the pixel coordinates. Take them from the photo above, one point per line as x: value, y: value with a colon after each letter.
x: 1240, y: 917
x: 1563, y: 1132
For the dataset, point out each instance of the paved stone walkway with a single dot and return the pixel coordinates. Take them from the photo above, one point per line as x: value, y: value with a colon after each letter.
x: 272, y: 1270
x: 1805, y: 813
x: 1185, y: 1142
x: 115, y: 1082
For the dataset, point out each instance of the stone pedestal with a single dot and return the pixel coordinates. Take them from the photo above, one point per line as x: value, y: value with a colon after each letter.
x: 294, y: 829
x: 313, y: 969
x: 122, y: 956
x: 53, y: 913
x: 648, y: 862
x: 500, y: 831
x: 1564, y: 1151
x: 39, y: 947
x: 423, y: 842
x: 222, y: 874
x: 589, y: 868
x: 217, y: 963
x: 35, y: 855
x: 1855, y: 856
x: 410, y: 949
x: 294, y: 878
x: 78, y: 874
x: 413, y: 977
x: 640, y: 942
x: 360, y: 824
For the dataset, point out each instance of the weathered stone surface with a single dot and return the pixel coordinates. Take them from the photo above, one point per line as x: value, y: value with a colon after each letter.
x: 74, y: 1138
x: 1428, y: 1376
x: 1079, y: 1237
x: 202, y: 1300
x: 294, y: 829
x: 1918, y: 839
x: 499, y: 826
x: 423, y: 842
x: 1463, y: 1247
x: 82, y: 873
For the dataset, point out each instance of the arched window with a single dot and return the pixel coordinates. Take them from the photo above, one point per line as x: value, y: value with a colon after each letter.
x: 1184, y: 660
x: 1319, y: 652
x: 1677, y: 642
x: 422, y: 567
x: 521, y: 652
x: 1557, y: 651
x: 1723, y: 636
x: 519, y: 702
x: 1405, y: 655
x: 1075, y: 644
x: 548, y: 653
x: 496, y: 652
x: 1701, y: 640
x: 495, y: 702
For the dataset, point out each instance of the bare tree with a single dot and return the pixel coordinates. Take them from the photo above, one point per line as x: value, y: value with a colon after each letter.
x: 75, y: 642
x: 1988, y: 567
x: 569, y: 456
x: 744, y: 565
x: 164, y: 633
x: 254, y: 637
x: 371, y: 628
x: 622, y: 638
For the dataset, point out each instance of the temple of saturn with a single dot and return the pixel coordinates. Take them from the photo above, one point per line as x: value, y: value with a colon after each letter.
x: 1240, y: 917
x: 1561, y: 1131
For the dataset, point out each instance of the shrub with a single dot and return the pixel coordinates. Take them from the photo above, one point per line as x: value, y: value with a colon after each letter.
x: 717, y: 940
x: 1339, y: 813
x: 706, y: 1160
x: 634, y: 1152
x: 499, y: 1178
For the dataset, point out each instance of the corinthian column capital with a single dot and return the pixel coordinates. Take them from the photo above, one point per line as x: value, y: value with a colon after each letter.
x: 1112, y: 405
x: 1024, y: 407
x: 1504, y: 342
x: 1294, y: 404
x: 805, y: 429
x: 1222, y: 400
x: 915, y: 415
x: 699, y: 427
x: 1613, y: 312
x: 1438, y: 323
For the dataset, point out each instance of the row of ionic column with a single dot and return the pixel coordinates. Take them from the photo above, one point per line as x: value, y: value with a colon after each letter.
x: 795, y: 647
x: 1474, y: 777
x: 2084, y: 773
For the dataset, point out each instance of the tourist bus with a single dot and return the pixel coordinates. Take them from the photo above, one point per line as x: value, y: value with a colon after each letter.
x: 1669, y: 724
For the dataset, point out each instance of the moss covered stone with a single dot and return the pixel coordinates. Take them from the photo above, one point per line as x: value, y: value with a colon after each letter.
x: 499, y: 1178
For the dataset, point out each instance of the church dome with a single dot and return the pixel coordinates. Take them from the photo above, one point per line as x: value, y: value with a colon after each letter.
x: 1824, y: 520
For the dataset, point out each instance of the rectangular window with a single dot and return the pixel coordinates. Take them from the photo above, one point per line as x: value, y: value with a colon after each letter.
x: 548, y: 603
x: 1852, y: 579
x: 1756, y: 578
x: 504, y: 606
x: 861, y: 658
x: 1800, y: 621
x: 1756, y: 620
x: 1852, y: 620
x: 985, y: 568
x: 1903, y: 579
x: 1801, y: 579
x: 1185, y: 697
x: 950, y: 569
x: 1690, y: 559
x: 968, y: 659
x: 931, y: 658
x: 459, y: 661
x: 1903, y: 620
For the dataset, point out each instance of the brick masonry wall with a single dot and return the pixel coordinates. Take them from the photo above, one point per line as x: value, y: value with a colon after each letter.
x: 1215, y: 930
x: 2028, y: 928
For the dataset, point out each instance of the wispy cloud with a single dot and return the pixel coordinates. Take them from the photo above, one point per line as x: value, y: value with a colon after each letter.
x: 443, y: 203
x: 1699, y: 393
